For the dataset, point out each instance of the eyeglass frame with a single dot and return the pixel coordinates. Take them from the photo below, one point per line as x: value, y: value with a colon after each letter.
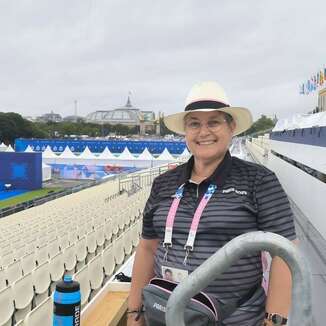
x: 227, y: 119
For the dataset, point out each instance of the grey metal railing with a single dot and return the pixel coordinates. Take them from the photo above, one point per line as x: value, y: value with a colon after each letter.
x: 213, y: 267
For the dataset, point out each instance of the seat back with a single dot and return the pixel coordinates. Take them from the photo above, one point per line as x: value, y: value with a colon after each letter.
x: 41, y: 278
x: 83, y: 278
x: 91, y: 242
x: 53, y: 247
x: 41, y: 315
x: 95, y: 270
x: 23, y: 291
x: 14, y: 271
x: 7, y: 307
x: 118, y: 249
x: 57, y: 267
x: 108, y: 260
x: 28, y: 262
x: 41, y: 254
x: 81, y: 249
x: 69, y: 257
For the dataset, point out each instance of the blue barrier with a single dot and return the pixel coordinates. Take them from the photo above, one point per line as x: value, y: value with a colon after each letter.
x: 315, y: 136
x: 97, y: 146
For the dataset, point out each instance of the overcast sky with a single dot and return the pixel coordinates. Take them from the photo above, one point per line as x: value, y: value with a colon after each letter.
x: 96, y: 51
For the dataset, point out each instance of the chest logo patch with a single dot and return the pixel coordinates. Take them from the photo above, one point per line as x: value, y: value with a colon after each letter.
x: 239, y: 192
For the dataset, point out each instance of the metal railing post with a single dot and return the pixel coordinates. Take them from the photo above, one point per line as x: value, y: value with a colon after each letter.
x: 213, y: 267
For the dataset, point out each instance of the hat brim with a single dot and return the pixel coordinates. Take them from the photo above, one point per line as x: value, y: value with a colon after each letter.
x: 241, y: 116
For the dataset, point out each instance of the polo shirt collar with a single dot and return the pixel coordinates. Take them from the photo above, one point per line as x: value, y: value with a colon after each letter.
x: 218, y: 177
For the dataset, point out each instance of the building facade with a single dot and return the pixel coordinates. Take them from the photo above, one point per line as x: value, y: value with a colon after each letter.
x: 127, y: 115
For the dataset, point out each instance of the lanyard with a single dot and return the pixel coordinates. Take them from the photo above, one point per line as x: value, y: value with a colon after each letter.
x: 189, y: 246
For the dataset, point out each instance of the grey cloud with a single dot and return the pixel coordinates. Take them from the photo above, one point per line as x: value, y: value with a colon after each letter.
x: 53, y: 52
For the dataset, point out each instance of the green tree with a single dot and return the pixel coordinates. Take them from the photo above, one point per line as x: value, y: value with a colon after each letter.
x: 263, y: 124
x: 13, y: 125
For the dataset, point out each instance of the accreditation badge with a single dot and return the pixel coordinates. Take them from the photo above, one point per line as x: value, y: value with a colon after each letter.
x: 174, y: 274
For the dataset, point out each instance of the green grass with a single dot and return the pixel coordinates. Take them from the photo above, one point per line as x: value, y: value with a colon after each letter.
x: 27, y: 196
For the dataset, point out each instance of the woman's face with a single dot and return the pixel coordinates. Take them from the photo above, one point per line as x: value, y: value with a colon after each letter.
x: 208, y: 134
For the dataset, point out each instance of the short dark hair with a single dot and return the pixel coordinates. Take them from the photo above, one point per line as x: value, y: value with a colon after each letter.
x: 228, y: 117
x: 168, y: 271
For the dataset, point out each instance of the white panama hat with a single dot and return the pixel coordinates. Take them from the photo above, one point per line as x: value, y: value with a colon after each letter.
x: 206, y: 97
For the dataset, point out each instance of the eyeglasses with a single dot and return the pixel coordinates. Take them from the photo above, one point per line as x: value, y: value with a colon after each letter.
x: 212, y: 125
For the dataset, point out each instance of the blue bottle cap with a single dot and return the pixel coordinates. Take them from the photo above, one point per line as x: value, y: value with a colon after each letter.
x: 67, y: 278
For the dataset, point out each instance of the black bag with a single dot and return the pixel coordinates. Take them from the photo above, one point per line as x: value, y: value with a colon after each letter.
x: 202, y: 310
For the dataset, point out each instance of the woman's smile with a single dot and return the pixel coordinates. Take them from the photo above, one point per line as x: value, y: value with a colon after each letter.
x: 206, y: 142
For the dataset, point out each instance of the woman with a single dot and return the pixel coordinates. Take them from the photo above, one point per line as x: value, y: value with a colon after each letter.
x: 245, y: 197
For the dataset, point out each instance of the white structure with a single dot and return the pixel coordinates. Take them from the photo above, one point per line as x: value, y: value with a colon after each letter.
x: 48, y: 153
x: 87, y: 154
x: 185, y: 154
x: 126, y: 155
x: 10, y: 149
x: 46, y: 172
x: 145, y: 159
x: 3, y: 147
x: 29, y: 149
x: 299, y: 121
x: 165, y: 157
x: 125, y: 159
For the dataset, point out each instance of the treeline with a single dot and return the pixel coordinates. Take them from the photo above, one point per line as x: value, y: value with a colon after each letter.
x: 13, y: 125
x: 263, y: 124
x: 64, y: 129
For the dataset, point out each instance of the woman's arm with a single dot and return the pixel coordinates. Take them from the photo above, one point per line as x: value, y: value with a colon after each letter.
x: 279, y: 289
x: 142, y: 272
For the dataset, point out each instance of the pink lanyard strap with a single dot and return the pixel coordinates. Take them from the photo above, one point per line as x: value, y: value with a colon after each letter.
x: 189, y: 246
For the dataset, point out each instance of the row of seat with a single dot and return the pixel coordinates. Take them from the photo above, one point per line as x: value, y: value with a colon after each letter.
x: 39, y: 221
x: 28, y: 291
x: 87, y: 234
x: 75, y: 249
x: 59, y: 235
x: 93, y: 197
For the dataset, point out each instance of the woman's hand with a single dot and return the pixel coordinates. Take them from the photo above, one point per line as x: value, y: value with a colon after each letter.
x: 132, y: 322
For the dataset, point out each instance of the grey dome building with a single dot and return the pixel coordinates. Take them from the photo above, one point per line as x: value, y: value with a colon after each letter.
x: 126, y: 115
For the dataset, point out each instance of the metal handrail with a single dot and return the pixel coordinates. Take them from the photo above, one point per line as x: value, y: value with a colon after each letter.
x: 213, y: 267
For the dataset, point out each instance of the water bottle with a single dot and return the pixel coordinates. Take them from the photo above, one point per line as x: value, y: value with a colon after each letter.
x: 66, y: 310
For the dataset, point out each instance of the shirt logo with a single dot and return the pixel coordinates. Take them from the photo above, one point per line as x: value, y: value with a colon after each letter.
x: 239, y: 192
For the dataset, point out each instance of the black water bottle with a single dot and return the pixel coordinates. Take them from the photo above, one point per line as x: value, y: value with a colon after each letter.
x: 67, y: 310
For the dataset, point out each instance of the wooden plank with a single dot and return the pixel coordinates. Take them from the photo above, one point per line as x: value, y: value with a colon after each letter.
x: 109, y: 311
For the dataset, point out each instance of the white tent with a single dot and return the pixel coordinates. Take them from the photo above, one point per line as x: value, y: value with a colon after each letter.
x: 67, y: 157
x: 106, y: 155
x: 10, y: 149
x: 145, y: 155
x: 67, y: 153
x: 48, y: 153
x: 87, y: 157
x: 3, y: 147
x: 185, y: 154
x: 145, y: 159
x: 87, y: 154
x: 29, y: 149
x: 48, y: 156
x: 46, y: 172
x: 165, y: 156
x: 105, y: 158
x: 126, y: 155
